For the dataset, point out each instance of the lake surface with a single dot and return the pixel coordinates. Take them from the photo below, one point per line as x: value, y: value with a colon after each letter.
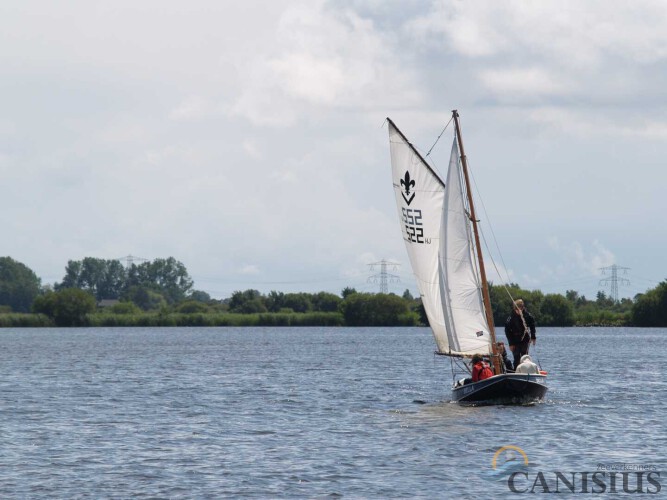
x: 308, y: 412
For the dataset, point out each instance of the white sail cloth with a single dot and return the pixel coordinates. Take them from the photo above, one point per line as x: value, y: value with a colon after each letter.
x: 437, y: 236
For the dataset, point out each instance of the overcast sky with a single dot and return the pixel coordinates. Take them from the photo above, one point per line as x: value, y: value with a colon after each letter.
x: 246, y: 139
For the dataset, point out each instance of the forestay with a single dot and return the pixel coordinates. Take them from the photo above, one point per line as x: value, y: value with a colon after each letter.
x: 436, y: 231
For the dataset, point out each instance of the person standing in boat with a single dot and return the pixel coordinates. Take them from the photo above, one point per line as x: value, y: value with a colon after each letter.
x: 520, y: 331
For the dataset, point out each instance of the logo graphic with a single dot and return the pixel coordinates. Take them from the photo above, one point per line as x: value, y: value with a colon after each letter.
x: 511, y: 464
x: 408, y: 184
x: 505, y: 448
x: 521, y: 477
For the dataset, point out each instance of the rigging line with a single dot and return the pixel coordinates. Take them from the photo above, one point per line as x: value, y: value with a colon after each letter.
x: 573, y: 281
x: 493, y: 261
x: 240, y: 280
x: 526, y: 330
x: 493, y: 234
x: 645, y: 279
x: 436, y: 141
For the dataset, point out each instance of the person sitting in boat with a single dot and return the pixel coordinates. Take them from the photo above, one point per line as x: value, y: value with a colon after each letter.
x: 520, y: 331
x: 480, y: 369
x: 527, y: 366
x: 506, y: 360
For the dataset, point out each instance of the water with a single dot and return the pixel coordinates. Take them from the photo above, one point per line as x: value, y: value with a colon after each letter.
x: 310, y: 412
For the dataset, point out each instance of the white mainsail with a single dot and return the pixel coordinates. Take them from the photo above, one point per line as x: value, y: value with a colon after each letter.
x: 437, y: 236
x: 461, y: 291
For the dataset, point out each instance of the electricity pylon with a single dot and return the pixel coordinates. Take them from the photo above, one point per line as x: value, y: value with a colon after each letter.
x: 384, y: 278
x: 614, y: 280
x: 131, y: 259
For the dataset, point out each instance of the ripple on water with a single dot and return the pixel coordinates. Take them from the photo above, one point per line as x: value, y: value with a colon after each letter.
x: 304, y: 412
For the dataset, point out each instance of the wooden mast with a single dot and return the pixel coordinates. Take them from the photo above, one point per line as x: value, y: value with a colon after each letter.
x: 495, y: 358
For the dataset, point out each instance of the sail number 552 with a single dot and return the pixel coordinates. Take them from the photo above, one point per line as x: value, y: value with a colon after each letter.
x: 413, y: 225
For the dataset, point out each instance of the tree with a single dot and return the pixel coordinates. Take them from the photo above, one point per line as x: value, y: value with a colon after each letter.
x: 603, y: 301
x: 191, y: 307
x: 501, y: 302
x: 145, y: 298
x: 247, y: 302
x: 650, y: 308
x: 68, y: 307
x: 19, y: 285
x: 199, y: 296
x: 557, y: 311
x: 298, y: 302
x: 421, y: 312
x: 105, y: 279
x: 168, y: 276
x: 326, y: 302
x: 364, y: 309
x: 275, y: 301
x: 125, y: 308
x: 347, y: 291
x: 45, y: 304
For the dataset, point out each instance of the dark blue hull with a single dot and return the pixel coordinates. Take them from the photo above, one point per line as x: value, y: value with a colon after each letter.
x: 510, y: 388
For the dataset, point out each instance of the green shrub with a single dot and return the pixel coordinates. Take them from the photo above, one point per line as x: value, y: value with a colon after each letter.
x: 25, y: 320
x: 125, y: 308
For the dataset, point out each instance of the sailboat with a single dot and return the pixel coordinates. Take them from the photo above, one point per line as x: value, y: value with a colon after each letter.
x: 440, y: 230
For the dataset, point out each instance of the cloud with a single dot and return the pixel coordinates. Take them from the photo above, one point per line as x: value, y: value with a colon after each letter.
x: 524, y: 82
x: 192, y: 108
x: 575, y: 34
x: 498, y: 274
x: 249, y: 269
x: 581, y: 123
x: 251, y: 148
x: 566, y: 53
x: 247, y: 135
x: 575, y: 257
x: 323, y: 58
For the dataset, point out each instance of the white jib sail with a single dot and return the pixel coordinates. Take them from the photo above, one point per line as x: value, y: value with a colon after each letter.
x: 420, y: 197
x: 461, y: 288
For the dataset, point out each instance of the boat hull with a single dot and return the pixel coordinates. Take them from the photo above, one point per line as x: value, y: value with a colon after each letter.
x: 510, y: 388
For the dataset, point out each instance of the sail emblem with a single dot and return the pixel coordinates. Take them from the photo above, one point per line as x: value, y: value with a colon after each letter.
x: 408, y: 183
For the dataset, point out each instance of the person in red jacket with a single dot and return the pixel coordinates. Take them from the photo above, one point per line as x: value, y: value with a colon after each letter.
x: 480, y: 369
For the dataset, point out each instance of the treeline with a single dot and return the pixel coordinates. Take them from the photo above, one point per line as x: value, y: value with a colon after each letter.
x: 98, y: 292
x: 570, y: 309
x: 76, y: 307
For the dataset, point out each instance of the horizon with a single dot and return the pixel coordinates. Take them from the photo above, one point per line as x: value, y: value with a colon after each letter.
x: 395, y: 287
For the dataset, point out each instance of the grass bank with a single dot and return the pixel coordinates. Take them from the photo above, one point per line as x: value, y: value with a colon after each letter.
x: 25, y: 320
x: 215, y: 319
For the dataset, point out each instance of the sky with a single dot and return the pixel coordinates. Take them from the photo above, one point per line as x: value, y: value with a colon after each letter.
x: 248, y: 139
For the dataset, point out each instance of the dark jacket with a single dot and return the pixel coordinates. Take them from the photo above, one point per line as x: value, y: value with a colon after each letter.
x: 515, y: 330
x: 507, y: 362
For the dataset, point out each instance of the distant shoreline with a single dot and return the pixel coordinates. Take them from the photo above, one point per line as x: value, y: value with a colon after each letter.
x: 29, y: 320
